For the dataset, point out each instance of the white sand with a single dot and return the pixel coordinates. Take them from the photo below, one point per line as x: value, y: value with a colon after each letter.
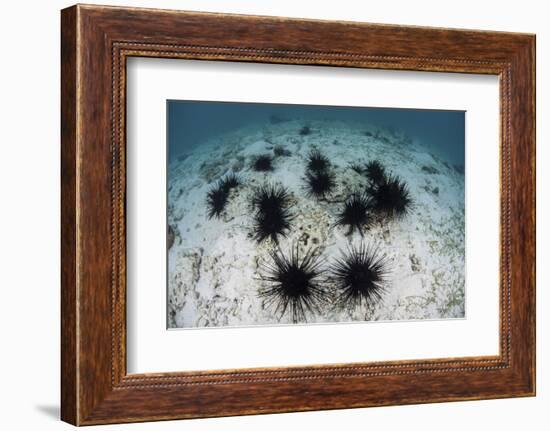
x: 213, y: 264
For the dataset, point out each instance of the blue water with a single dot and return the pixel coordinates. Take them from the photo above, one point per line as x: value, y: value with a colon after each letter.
x: 191, y: 122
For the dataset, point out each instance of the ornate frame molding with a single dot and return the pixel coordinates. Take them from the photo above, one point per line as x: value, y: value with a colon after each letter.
x: 96, y: 41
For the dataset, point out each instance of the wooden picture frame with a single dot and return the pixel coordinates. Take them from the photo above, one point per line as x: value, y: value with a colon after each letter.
x: 96, y: 41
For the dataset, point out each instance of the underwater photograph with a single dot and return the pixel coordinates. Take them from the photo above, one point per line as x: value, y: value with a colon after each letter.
x: 281, y: 214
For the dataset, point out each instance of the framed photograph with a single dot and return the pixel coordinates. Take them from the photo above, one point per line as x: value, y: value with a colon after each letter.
x: 264, y: 215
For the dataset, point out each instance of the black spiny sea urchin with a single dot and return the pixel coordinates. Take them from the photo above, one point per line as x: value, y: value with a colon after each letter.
x: 293, y: 283
x: 281, y: 151
x: 359, y: 277
x: 217, y: 196
x: 355, y: 214
x: 231, y: 181
x: 317, y: 162
x: 272, y: 215
x: 318, y: 184
x: 375, y: 172
x: 216, y: 199
x: 304, y: 131
x: 263, y: 163
x: 391, y: 198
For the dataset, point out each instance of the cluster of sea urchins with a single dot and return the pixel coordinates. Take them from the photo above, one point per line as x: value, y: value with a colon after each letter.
x: 390, y: 196
x: 385, y: 197
x: 358, y: 277
x: 320, y: 179
x: 300, y: 284
x: 271, y: 208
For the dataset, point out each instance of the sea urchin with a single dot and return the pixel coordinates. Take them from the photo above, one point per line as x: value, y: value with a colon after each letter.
x: 375, y: 171
x: 293, y: 283
x: 317, y: 162
x: 272, y: 215
x: 391, y: 198
x: 231, y: 181
x: 304, y: 131
x: 359, y: 277
x: 281, y: 151
x: 216, y: 198
x: 355, y: 214
x: 319, y: 183
x: 263, y: 163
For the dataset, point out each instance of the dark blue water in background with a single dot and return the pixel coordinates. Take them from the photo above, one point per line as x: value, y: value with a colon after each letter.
x: 192, y: 122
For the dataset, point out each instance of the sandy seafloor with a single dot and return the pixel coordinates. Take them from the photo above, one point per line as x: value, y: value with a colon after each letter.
x: 213, y: 263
